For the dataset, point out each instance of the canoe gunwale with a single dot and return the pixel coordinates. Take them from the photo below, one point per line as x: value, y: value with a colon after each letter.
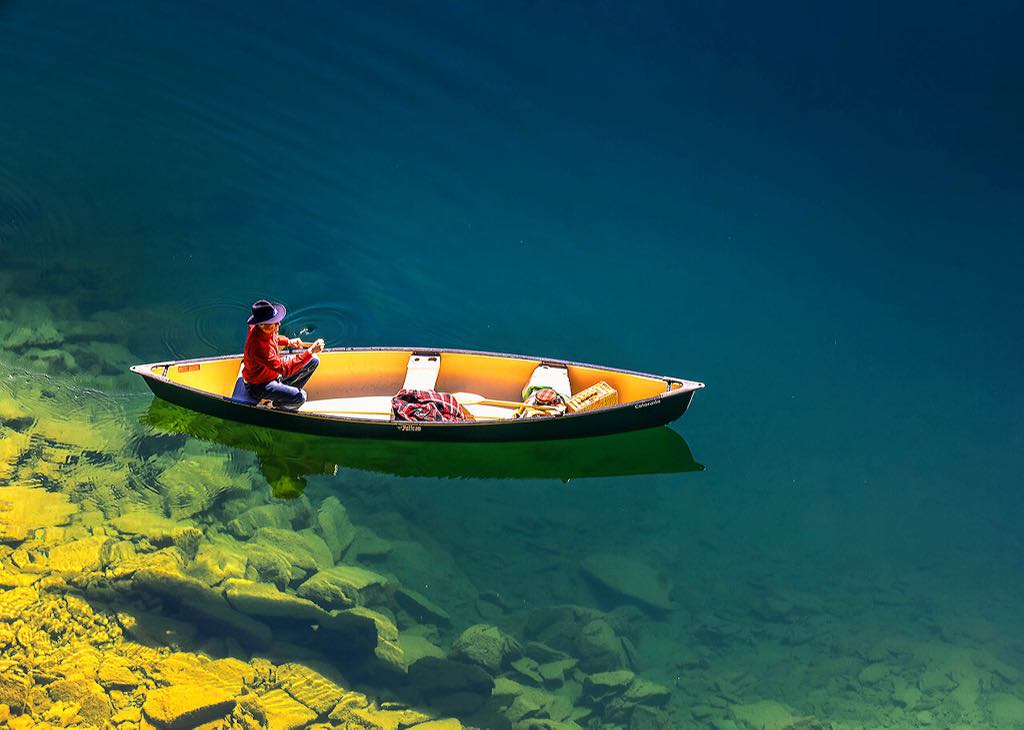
x: 655, y: 407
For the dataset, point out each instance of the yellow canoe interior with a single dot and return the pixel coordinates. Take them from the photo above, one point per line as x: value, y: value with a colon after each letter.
x: 361, y: 383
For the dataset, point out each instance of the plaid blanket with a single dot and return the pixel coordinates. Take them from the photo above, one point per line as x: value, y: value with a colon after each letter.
x: 425, y: 405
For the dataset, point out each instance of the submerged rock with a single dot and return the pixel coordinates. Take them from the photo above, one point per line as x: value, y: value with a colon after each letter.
x: 195, y: 483
x: 301, y: 552
x: 345, y: 586
x: 157, y: 529
x: 421, y: 608
x: 94, y: 707
x: 335, y: 527
x: 186, y: 706
x: 438, y: 679
x: 487, y: 646
x: 368, y: 545
x: 156, y: 630
x: 599, y: 649
x: 218, y: 560
x: 387, y: 651
x: 78, y: 556
x: 630, y: 579
x: 1007, y: 710
x: 266, y: 515
x: 415, y: 647
x: 260, y: 599
x: 766, y: 714
x: 281, y: 710
x: 310, y: 687
x: 26, y: 509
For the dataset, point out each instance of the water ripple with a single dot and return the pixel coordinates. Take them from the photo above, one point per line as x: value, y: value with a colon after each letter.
x: 206, y: 328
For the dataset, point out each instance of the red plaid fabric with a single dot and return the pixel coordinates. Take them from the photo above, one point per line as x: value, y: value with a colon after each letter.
x: 425, y: 405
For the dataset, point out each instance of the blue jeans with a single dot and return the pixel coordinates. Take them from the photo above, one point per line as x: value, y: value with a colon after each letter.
x: 285, y: 393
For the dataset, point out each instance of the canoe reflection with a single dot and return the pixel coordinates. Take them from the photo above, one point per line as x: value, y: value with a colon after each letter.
x: 287, y: 458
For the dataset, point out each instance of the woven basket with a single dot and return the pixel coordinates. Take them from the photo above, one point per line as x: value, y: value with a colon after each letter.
x: 599, y: 395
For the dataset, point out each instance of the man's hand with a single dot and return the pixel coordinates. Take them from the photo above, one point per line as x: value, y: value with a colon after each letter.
x: 295, y: 342
x: 317, y: 347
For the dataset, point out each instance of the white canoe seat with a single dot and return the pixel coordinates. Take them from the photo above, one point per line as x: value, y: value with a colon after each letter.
x: 555, y: 377
x: 421, y: 373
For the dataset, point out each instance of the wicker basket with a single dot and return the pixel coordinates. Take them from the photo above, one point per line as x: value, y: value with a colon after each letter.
x: 599, y: 395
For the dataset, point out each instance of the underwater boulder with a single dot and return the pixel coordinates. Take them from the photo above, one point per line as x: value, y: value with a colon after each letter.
x: 26, y: 509
x: 187, y: 706
x: 487, y: 646
x: 281, y: 710
x: 197, y: 481
x: 766, y: 714
x: 629, y: 579
x: 261, y: 599
x: 415, y: 647
x: 345, y: 586
x: 296, y: 546
x: 334, y: 526
x: 421, y: 608
x: 219, y: 559
x: 78, y: 556
x: 89, y: 696
x: 314, y: 689
x: 265, y: 515
x: 451, y: 684
x: 368, y: 545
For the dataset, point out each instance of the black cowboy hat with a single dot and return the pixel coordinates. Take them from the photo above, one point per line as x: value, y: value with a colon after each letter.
x: 264, y: 312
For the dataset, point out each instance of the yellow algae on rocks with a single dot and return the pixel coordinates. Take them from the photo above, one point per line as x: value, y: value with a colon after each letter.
x: 15, y: 601
x: 154, y: 527
x: 77, y: 556
x: 11, y: 410
x: 344, y: 586
x: 373, y: 718
x: 449, y: 723
x: 187, y: 706
x: 115, y: 672
x: 219, y: 559
x: 182, y: 668
x: 261, y: 599
x: 12, y: 445
x: 309, y: 687
x: 26, y: 509
x: 89, y: 696
x: 81, y: 433
x: 284, y: 712
x: 194, y: 484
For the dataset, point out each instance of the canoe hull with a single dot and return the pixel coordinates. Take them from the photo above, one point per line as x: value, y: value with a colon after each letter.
x: 653, y: 412
x: 651, y: 409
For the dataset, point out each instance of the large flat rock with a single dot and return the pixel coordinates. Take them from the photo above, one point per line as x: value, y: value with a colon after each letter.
x: 629, y: 578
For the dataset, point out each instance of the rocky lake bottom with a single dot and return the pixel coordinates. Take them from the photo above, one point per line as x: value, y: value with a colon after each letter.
x: 156, y: 580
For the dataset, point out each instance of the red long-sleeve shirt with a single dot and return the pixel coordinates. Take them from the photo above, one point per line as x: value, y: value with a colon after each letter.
x: 262, y: 360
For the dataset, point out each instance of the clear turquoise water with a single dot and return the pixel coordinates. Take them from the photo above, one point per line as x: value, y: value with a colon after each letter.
x: 814, y: 210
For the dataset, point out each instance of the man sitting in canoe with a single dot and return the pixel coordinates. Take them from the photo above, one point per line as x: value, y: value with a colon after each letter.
x: 273, y: 380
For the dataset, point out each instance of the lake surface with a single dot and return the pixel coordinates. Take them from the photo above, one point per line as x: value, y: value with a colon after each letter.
x: 814, y: 210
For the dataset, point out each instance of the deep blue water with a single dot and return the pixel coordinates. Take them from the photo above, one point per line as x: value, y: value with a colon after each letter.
x: 814, y: 209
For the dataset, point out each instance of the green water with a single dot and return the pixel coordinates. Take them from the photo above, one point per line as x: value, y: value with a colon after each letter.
x: 813, y: 210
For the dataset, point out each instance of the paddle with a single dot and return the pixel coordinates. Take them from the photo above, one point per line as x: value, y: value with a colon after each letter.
x: 475, y: 399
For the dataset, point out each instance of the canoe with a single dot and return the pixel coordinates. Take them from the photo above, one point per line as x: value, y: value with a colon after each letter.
x: 350, y: 394
x: 287, y: 459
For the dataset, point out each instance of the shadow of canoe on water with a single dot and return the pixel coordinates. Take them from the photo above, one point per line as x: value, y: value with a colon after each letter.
x: 286, y: 459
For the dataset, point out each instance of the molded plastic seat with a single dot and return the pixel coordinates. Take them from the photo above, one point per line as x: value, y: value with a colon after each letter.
x: 555, y: 377
x: 422, y: 372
